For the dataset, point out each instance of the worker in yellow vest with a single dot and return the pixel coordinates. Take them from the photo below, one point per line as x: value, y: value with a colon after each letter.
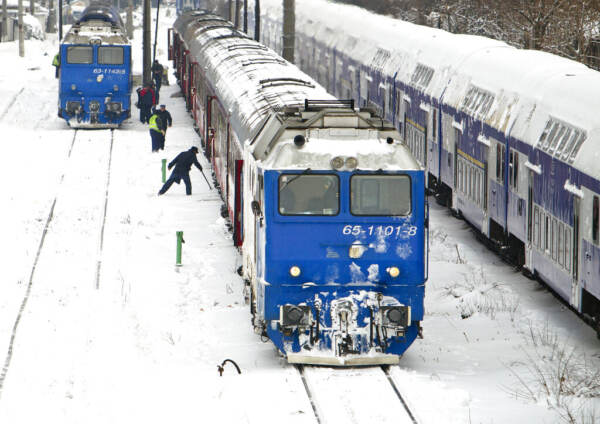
x: 156, y: 133
x: 56, y: 64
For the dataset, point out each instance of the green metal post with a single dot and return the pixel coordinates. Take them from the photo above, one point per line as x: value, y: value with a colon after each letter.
x: 179, y: 242
x: 164, y: 170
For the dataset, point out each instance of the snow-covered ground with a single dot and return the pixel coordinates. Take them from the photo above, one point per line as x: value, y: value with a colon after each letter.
x: 102, y: 327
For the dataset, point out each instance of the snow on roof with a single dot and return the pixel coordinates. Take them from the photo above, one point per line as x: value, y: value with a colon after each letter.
x: 371, y: 152
x: 257, y: 80
x: 528, y: 87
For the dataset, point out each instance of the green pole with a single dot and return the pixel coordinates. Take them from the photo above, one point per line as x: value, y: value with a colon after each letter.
x: 164, y: 170
x: 179, y: 242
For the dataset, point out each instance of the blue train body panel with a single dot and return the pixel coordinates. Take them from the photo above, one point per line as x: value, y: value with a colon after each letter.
x: 95, y: 70
x: 319, y: 247
x: 102, y: 91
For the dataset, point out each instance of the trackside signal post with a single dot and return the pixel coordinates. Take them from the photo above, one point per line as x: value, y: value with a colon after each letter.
x: 180, y: 241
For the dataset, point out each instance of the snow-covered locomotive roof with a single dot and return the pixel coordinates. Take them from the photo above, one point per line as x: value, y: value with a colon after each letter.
x: 99, y: 21
x: 528, y: 89
x: 91, y: 31
x: 329, y: 133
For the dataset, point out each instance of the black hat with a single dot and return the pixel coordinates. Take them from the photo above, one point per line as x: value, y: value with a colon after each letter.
x: 194, y: 149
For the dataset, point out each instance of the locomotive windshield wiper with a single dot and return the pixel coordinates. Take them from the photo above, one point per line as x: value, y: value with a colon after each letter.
x: 306, y: 171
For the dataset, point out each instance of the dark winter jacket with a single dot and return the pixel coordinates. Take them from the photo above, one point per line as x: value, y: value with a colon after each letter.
x: 147, y: 97
x: 157, y: 69
x: 184, y: 161
x: 165, y: 119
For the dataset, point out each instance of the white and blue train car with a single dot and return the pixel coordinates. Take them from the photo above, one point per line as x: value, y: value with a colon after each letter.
x: 326, y: 205
x: 95, y: 70
x: 509, y: 137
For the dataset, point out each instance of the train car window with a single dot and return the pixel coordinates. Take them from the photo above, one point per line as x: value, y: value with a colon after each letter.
x: 551, y: 136
x: 546, y: 235
x: 513, y: 169
x: 554, y: 247
x: 557, y: 138
x: 545, y: 132
x: 500, y: 163
x: 536, y: 227
x: 80, y: 54
x: 380, y: 195
x: 595, y: 218
x: 112, y: 55
x: 568, y: 248
x: 561, y: 248
x: 309, y: 194
x: 434, y: 125
x: 564, y: 139
x: 576, y: 147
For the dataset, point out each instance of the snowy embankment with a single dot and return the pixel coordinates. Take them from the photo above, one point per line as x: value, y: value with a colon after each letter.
x: 113, y: 332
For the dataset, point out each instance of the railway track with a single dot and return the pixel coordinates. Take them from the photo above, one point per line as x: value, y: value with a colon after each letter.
x: 72, y: 216
x: 354, y: 395
x: 11, y: 103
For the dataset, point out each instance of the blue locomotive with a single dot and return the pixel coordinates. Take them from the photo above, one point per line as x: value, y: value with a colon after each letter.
x: 508, y: 136
x: 326, y: 204
x: 95, y: 70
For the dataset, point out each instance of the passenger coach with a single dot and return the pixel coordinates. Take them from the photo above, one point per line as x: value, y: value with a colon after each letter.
x: 326, y: 204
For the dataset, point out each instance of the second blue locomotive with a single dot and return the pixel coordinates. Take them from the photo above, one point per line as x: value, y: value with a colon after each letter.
x: 95, y: 70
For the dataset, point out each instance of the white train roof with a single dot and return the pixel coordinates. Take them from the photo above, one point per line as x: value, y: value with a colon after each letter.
x: 250, y: 80
x: 529, y: 88
x: 90, y: 31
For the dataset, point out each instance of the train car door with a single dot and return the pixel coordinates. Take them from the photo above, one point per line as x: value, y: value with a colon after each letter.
x: 170, y: 43
x: 209, y: 137
x: 433, y: 156
x: 183, y: 71
x: 238, y: 206
x: 575, y: 288
x: 528, y: 246
x: 189, y: 70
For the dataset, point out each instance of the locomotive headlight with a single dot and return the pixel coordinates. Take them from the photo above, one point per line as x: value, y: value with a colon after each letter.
x: 115, y: 107
x: 356, y: 251
x: 351, y: 163
x: 337, y: 162
x: 94, y: 106
x: 395, y: 316
x: 295, y: 315
x: 393, y: 271
x: 295, y: 271
x: 73, y: 87
x: 115, y: 87
x: 99, y: 78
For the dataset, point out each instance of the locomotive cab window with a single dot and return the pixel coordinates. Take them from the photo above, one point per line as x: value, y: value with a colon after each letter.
x: 309, y: 194
x: 383, y: 195
x: 110, y: 55
x: 80, y: 54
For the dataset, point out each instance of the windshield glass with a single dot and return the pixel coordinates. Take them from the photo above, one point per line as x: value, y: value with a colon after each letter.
x: 80, y: 54
x: 309, y: 194
x: 380, y: 195
x: 110, y: 55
